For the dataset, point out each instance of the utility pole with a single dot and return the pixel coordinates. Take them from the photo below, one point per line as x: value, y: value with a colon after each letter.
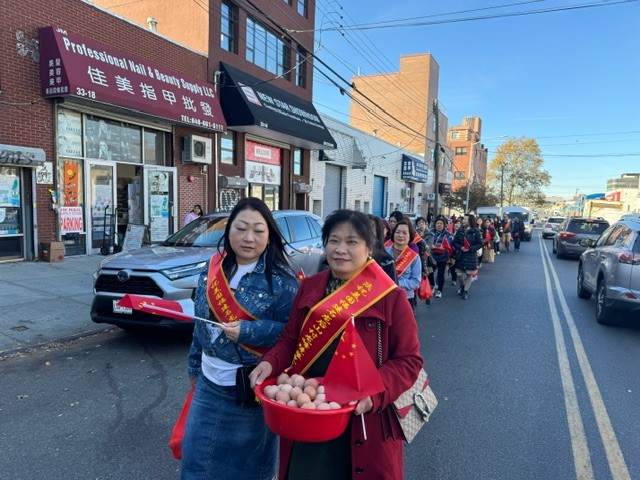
x: 501, y: 185
x: 436, y: 158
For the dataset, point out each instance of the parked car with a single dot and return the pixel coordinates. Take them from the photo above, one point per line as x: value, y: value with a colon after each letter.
x: 610, y: 270
x: 566, y: 241
x: 550, y: 225
x: 170, y: 270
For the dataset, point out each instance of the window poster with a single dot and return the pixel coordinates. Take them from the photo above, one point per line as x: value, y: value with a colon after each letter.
x: 71, y: 181
x: 159, y: 216
x: 9, y: 187
x: 69, y: 133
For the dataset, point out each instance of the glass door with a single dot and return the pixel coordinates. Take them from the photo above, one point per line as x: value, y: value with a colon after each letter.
x: 11, y: 214
x: 160, y: 205
x: 101, y: 191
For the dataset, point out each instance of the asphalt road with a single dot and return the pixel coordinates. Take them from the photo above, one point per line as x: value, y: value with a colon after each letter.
x: 527, y: 390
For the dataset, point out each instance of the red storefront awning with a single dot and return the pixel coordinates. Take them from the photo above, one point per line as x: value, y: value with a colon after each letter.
x: 71, y: 65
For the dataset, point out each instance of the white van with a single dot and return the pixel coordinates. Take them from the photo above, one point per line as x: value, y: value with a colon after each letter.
x: 525, y: 216
x: 491, y: 212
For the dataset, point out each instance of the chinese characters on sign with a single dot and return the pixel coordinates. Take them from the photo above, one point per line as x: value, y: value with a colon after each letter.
x: 74, y: 65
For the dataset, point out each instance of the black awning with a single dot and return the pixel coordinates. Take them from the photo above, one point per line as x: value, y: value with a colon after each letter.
x: 255, y: 106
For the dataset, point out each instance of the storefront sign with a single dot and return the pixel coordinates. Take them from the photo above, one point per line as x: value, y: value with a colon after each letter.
x: 259, y: 152
x: 44, y: 174
x: 71, y: 65
x: 414, y: 170
x: 21, y: 156
x: 262, y: 173
x: 71, y: 220
x: 255, y: 106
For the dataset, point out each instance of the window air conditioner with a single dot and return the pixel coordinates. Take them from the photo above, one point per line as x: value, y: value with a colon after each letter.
x: 197, y: 149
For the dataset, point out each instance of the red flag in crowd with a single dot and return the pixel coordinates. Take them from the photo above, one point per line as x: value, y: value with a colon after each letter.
x: 157, y: 306
x: 300, y: 274
x: 351, y: 375
x: 447, y: 246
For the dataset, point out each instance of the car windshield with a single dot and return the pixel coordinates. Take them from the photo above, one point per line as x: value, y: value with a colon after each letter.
x: 202, y: 232
x: 587, y: 226
x: 555, y: 220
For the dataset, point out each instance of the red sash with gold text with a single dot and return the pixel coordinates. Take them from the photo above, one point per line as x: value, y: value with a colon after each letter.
x: 328, y: 318
x: 388, y: 243
x: 404, y: 260
x: 223, y: 303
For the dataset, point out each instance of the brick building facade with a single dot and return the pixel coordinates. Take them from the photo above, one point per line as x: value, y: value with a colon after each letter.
x: 62, y: 180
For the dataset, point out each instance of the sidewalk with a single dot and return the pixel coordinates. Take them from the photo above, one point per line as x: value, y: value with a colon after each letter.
x: 46, y: 302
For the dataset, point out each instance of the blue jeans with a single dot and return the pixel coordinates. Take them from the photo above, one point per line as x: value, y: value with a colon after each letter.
x: 226, y: 441
x: 516, y: 243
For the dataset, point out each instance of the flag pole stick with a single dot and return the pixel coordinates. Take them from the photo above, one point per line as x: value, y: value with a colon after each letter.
x: 364, y: 428
x: 168, y: 311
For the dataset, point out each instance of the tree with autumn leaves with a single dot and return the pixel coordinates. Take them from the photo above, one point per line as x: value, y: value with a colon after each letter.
x: 514, y: 177
x: 516, y: 173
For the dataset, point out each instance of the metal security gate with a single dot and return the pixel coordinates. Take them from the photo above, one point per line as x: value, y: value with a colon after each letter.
x: 332, y: 198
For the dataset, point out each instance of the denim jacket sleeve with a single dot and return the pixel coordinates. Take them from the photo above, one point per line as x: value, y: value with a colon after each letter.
x: 410, y: 279
x: 264, y: 331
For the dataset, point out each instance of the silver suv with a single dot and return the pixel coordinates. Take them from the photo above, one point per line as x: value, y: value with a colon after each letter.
x: 171, y: 269
x: 566, y: 241
x: 610, y: 269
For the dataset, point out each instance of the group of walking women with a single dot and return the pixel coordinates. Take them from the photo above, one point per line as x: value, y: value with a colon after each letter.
x: 264, y: 315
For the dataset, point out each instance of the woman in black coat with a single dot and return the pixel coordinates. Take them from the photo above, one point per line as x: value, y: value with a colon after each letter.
x: 466, y: 253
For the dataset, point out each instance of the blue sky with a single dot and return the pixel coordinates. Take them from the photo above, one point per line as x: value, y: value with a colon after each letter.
x: 568, y: 78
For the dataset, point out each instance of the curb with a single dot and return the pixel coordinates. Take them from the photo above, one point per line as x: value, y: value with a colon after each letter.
x: 19, y: 351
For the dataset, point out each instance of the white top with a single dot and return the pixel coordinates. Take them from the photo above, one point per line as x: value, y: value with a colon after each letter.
x: 217, y: 370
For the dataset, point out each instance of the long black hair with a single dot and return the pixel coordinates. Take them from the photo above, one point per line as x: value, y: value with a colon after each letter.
x: 274, y: 255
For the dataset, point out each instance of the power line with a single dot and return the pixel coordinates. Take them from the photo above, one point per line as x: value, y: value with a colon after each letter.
x: 397, y: 24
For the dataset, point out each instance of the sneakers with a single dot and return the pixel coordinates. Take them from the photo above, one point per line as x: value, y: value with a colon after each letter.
x: 460, y: 289
x: 453, y: 283
x: 438, y: 294
x: 465, y: 295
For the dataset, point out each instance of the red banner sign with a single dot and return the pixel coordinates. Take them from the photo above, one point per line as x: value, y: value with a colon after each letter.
x: 71, y: 65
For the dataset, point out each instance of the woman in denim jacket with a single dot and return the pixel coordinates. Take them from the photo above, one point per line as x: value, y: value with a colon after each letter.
x: 223, y: 439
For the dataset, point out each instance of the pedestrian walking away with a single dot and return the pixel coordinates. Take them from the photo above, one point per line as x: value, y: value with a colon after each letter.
x: 506, y: 232
x: 441, y: 250
x: 468, y: 242
x: 386, y: 323
x: 517, y: 232
x: 225, y: 437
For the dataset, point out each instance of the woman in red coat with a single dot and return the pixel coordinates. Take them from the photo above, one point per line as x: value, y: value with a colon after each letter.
x: 377, y: 305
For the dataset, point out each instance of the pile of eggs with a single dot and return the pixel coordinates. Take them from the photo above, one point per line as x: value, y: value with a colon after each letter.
x: 299, y: 392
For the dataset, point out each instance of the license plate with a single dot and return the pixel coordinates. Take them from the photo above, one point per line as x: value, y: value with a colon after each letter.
x: 118, y: 309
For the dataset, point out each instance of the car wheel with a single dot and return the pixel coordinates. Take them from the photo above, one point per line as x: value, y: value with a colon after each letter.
x: 558, y: 254
x: 553, y: 247
x: 604, y: 313
x: 582, y: 292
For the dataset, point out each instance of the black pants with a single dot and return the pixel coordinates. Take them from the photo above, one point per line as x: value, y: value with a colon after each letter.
x: 439, y: 275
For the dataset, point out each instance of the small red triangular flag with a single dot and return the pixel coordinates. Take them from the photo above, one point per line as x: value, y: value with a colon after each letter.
x: 351, y: 375
x: 466, y: 243
x: 157, y: 306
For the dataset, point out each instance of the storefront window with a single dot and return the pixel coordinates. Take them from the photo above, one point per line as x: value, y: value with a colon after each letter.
x: 69, y: 133
x: 227, y: 148
x: 297, y: 161
x: 11, y: 227
x: 153, y: 147
x: 112, y: 140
